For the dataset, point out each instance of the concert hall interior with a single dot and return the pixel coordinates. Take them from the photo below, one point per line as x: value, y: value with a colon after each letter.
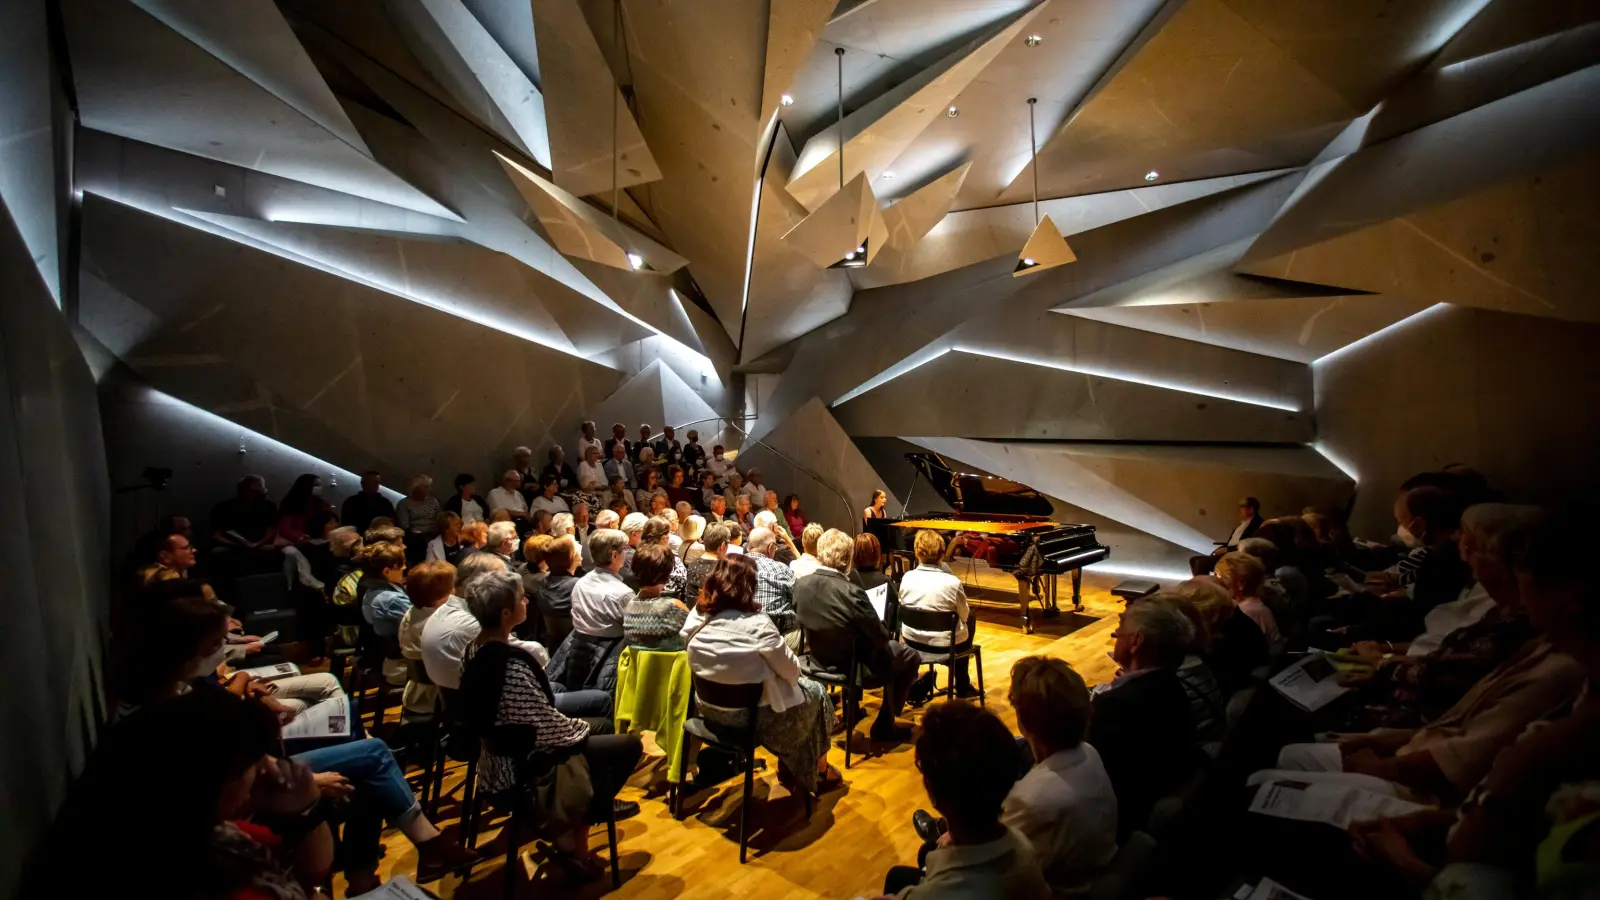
x: 800, y: 448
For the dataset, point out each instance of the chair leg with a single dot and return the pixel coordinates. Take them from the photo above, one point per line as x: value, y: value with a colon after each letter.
x: 509, y: 885
x: 950, y: 680
x: 744, y: 808
x: 849, y: 722
x: 611, y: 837
x: 977, y: 660
x: 675, y: 802
x: 469, y: 801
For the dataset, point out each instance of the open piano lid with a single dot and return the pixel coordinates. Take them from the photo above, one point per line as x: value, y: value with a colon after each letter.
x: 979, y: 495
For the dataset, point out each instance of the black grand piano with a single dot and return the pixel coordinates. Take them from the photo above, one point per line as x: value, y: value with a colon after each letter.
x: 998, y: 521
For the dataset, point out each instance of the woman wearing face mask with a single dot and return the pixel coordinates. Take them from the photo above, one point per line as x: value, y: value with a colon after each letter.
x: 719, y: 466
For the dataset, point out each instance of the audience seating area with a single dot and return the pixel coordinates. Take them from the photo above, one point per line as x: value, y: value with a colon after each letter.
x: 1396, y: 717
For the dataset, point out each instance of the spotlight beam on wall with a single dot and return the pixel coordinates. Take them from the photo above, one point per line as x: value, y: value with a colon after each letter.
x: 1133, y: 378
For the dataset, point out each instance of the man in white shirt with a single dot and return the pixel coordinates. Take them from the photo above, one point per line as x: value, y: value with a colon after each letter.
x: 548, y: 499
x: 930, y: 588
x: 754, y: 489
x: 598, y: 597
x: 508, y: 496
x: 808, y: 562
x: 586, y: 439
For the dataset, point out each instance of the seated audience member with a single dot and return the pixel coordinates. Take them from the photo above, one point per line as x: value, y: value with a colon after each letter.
x: 174, y: 558
x: 383, y: 601
x: 367, y: 504
x: 1207, y: 705
x: 659, y: 530
x: 712, y: 548
x: 754, y: 488
x: 506, y: 695
x: 679, y: 493
x: 1237, y: 644
x: 649, y: 489
x: 618, y: 492
x: 709, y: 492
x: 1065, y: 805
x: 508, y: 497
x: 769, y: 503
x: 543, y: 522
x: 688, y: 545
x: 1244, y: 578
x: 592, y: 478
x: 502, y: 542
x: 632, y: 525
x: 1396, y: 604
x: 587, y: 437
x: 450, y: 631
x: 522, y: 464
x: 774, y: 585
x: 650, y: 620
x: 1447, y: 756
x: 1413, y: 684
x: 303, y: 499
x: 930, y: 588
x: 694, y: 455
x: 587, y: 659
x: 465, y: 502
x: 535, y: 566
x: 417, y: 514
x: 1140, y: 722
x: 787, y: 552
x: 566, y: 478
x: 562, y: 525
x: 429, y: 584
x: 735, y: 538
x: 980, y: 855
x: 877, y: 509
x: 793, y: 516
x: 667, y: 447
x: 645, y: 441
x: 730, y: 642
x: 742, y: 512
x: 807, y: 561
x: 582, y: 523
x: 721, y: 467
x: 866, y: 572
x: 1524, y: 816
x: 474, y: 538
x: 618, y: 466
x: 716, y: 509
x: 549, y: 499
x: 222, y: 812
x: 448, y: 543
x: 552, y: 594
x: 1249, y: 522
x: 248, y: 522
x: 735, y: 489
x: 1284, y: 589
x: 839, y: 623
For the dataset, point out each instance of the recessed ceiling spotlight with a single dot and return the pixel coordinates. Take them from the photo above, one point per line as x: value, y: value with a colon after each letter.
x: 786, y: 100
x: 888, y: 175
x: 635, y: 260
x: 1151, y: 175
x: 952, y: 112
x: 1028, y: 261
x: 1033, y: 40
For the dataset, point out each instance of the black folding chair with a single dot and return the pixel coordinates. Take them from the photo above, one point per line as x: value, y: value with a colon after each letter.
x: 931, y: 621
x: 849, y: 682
x: 741, y: 743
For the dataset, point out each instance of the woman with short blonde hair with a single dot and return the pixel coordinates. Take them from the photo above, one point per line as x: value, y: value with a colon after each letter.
x: 931, y: 588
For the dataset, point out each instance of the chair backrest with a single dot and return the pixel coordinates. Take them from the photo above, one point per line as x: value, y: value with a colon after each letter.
x: 929, y: 620
x: 728, y: 696
x: 416, y: 671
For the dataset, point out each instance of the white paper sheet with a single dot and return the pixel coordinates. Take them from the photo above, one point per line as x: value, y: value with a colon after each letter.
x: 273, y: 673
x: 1310, y: 684
x: 400, y: 888
x: 1271, y: 890
x: 879, y: 598
x: 330, y: 718
x: 1334, y: 804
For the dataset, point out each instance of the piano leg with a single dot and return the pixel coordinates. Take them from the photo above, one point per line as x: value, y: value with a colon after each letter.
x: 1048, y: 601
x: 1024, y: 599
x: 1077, y: 590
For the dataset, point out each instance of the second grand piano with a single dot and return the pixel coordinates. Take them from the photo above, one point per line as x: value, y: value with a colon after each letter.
x: 1002, y: 523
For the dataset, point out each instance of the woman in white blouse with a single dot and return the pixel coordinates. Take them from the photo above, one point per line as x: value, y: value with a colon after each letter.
x: 591, y: 477
x: 929, y: 587
x: 731, y: 642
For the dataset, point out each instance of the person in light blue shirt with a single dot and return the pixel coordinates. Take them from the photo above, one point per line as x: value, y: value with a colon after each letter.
x: 383, y: 598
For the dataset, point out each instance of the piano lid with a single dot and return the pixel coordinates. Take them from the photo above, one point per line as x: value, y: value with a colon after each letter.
x: 972, y: 494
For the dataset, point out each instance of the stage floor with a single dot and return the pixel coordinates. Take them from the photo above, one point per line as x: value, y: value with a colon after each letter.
x: 855, y: 834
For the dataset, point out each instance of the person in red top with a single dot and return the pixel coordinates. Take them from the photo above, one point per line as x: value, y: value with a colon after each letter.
x: 793, y: 516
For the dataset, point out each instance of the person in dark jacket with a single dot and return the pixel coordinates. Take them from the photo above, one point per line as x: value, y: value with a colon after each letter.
x: 553, y: 596
x: 360, y: 509
x: 836, y: 617
x: 1140, y: 722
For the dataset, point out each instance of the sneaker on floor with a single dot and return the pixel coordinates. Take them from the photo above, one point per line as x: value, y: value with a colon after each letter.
x: 624, y: 809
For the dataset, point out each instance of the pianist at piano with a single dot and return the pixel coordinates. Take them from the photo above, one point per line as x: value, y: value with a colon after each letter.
x: 1004, y: 524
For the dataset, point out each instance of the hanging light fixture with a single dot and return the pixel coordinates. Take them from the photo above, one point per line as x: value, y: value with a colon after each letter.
x: 636, y: 261
x: 1046, y: 248
x: 847, y: 230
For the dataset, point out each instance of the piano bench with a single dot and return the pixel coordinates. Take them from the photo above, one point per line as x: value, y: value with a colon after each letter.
x: 1135, y: 589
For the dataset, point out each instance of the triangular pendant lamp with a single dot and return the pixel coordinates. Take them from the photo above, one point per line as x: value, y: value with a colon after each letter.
x: 1046, y: 248
x: 847, y: 231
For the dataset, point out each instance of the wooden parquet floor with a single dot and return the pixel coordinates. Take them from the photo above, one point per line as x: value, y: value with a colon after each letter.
x: 856, y: 832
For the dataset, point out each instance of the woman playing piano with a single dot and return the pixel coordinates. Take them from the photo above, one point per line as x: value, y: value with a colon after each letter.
x: 876, y: 509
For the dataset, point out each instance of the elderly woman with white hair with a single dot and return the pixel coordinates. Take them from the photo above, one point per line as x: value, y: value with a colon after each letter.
x: 417, y: 514
x: 504, y: 691
x: 503, y: 542
x: 689, y: 537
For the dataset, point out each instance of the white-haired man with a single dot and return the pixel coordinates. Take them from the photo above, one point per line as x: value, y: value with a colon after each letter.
x: 1140, y: 722
x: 587, y: 659
x: 503, y: 542
x: 774, y: 584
